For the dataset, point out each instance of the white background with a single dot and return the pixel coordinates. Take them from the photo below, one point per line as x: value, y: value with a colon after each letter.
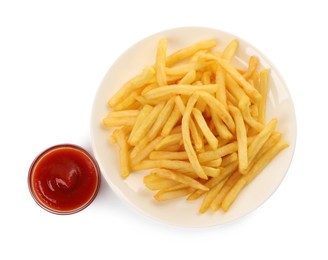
x: 53, y: 56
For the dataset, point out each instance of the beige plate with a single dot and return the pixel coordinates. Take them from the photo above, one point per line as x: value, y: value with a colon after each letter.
x: 181, y: 212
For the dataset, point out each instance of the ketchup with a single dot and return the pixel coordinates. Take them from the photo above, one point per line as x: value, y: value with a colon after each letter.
x: 64, y: 179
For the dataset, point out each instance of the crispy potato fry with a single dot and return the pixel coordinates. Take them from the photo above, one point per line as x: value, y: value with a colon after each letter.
x: 189, y: 51
x: 210, y: 195
x: 220, y: 127
x: 145, y: 125
x: 241, y: 138
x: 121, y: 121
x: 214, y: 163
x: 221, y: 110
x: 244, y: 106
x: 263, y: 90
x: 227, y: 186
x: 197, y: 121
x: 233, y: 72
x: 272, y: 141
x: 218, y: 153
x: 178, y: 90
x: 164, y: 155
x: 125, y: 113
x: 181, y: 69
x: 211, y: 139
x: 178, y: 177
x: 171, y: 122
x: 155, y: 183
x: 164, y: 195
x: 214, y: 181
x: 235, y: 89
x: 248, y: 88
x: 146, y: 151
x: 129, y: 102
x: 226, y: 160
x: 149, y: 87
x: 230, y: 50
x: 169, y: 140
x: 186, y: 138
x: 120, y: 138
x: 251, y: 175
x: 252, y: 65
x: 138, y: 81
x: 189, y: 78
x: 161, y: 119
x: 260, y: 140
x: 141, y: 117
x: 221, y: 92
x: 161, y: 62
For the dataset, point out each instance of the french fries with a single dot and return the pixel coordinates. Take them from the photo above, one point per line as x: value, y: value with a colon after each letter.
x: 197, y: 123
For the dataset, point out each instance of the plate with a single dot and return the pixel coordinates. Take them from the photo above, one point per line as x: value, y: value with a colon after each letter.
x: 180, y: 212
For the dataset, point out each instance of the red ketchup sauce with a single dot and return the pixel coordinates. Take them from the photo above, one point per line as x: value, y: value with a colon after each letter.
x: 64, y: 179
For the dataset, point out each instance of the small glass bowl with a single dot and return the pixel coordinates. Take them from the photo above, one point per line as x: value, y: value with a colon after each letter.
x: 58, y: 175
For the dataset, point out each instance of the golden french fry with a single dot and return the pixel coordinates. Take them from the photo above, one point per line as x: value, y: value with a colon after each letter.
x: 263, y: 90
x: 181, y: 69
x: 230, y: 50
x: 178, y: 165
x: 172, y: 121
x: 141, y: 117
x: 138, y: 81
x: 214, y: 163
x: 178, y: 89
x: 272, y: 141
x: 235, y: 89
x: 198, y: 142
x: 260, y: 140
x: 161, y: 119
x: 221, y: 91
x: 186, y: 138
x: 196, y: 136
x: 125, y: 113
x: 221, y: 110
x: 189, y: 78
x: 252, y: 174
x: 252, y: 65
x: 244, y: 106
x: 233, y: 193
x: 211, y: 139
x: 145, y: 125
x: 229, y: 183
x: 248, y: 88
x: 129, y: 102
x: 164, y: 195
x: 241, y: 138
x: 121, y: 121
x: 120, y: 138
x: 220, y: 127
x: 178, y: 177
x: 146, y: 151
x: 215, y: 180
x: 149, y: 87
x: 189, y: 51
x: 168, y: 141
x: 155, y: 183
x: 210, y: 195
x: 218, y: 153
x: 226, y: 160
x: 161, y: 62
x: 164, y: 155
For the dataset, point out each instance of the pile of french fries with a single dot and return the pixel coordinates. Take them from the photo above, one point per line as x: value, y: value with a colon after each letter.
x: 196, y: 122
